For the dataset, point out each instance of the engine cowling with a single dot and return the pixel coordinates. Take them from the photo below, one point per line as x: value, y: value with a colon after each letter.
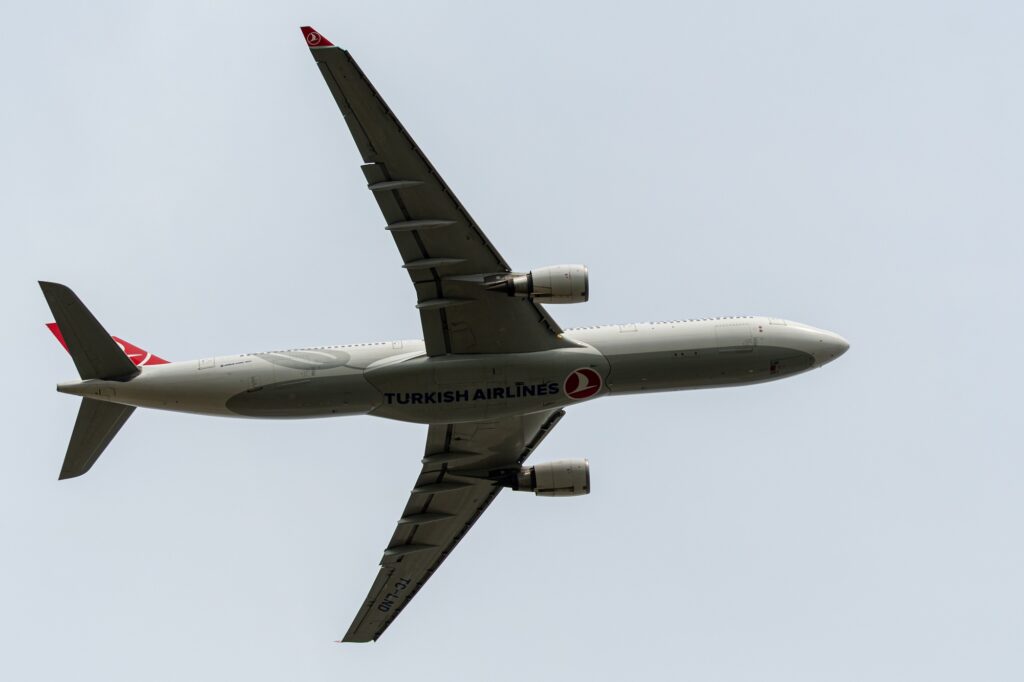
x: 563, y: 478
x: 552, y: 284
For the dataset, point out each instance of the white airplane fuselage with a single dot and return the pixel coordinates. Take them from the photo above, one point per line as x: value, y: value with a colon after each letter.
x: 398, y: 380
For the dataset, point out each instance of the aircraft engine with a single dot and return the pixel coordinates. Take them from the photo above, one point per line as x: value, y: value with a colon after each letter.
x: 564, y: 478
x: 552, y: 284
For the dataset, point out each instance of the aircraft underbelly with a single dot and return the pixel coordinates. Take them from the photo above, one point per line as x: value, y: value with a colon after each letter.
x: 421, y: 389
x: 314, y: 396
x: 701, y: 368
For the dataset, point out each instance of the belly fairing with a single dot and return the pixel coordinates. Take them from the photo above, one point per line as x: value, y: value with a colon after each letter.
x: 463, y: 388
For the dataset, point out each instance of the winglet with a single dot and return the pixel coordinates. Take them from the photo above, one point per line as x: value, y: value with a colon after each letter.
x: 314, y: 38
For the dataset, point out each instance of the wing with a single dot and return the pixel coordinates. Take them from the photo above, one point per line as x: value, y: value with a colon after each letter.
x: 443, y: 506
x: 442, y: 248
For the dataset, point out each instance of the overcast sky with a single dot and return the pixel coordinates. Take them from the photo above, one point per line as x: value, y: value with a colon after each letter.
x: 854, y: 166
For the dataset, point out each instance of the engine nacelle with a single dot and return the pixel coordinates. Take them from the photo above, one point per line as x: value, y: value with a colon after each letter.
x: 564, y: 478
x: 553, y: 284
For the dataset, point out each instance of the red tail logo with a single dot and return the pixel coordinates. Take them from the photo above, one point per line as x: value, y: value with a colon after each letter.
x: 140, y: 357
x: 314, y: 39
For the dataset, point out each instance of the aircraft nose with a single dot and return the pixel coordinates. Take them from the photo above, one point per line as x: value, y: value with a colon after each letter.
x: 829, y: 347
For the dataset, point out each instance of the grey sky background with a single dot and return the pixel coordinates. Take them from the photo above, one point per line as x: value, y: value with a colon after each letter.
x: 853, y: 166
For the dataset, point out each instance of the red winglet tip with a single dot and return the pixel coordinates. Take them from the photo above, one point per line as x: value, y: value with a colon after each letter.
x: 314, y: 38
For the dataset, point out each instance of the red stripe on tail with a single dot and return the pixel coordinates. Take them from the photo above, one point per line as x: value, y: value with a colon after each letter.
x: 140, y: 357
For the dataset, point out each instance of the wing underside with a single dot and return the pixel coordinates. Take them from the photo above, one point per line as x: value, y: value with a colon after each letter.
x: 442, y: 248
x: 443, y: 506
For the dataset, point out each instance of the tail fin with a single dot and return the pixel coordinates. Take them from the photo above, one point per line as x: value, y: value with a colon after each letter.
x: 97, y: 424
x: 95, y: 353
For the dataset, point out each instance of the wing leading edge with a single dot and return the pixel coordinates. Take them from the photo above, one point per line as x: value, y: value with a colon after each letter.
x: 444, y: 251
x: 443, y: 506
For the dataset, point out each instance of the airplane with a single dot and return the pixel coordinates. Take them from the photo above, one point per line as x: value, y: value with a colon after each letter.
x: 492, y: 376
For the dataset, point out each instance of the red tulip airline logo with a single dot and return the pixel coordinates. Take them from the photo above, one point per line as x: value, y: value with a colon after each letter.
x: 315, y: 39
x: 582, y: 383
x: 140, y: 357
x: 135, y: 354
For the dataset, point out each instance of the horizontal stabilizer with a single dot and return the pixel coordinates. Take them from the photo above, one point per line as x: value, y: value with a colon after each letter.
x: 96, y: 355
x: 97, y: 424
